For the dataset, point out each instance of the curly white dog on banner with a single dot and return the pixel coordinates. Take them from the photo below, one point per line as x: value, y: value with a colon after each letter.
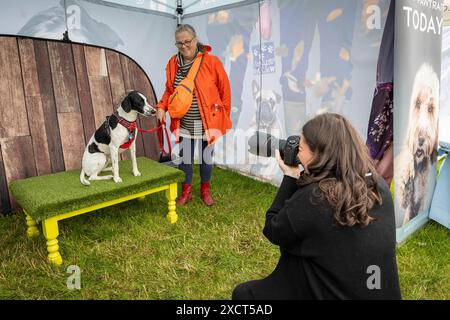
x: 420, y: 149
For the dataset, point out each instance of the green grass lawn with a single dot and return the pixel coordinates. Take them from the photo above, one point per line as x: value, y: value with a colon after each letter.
x: 130, y: 251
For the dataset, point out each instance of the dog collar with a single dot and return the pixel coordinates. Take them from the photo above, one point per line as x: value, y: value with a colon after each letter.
x: 127, y: 124
x: 131, y: 127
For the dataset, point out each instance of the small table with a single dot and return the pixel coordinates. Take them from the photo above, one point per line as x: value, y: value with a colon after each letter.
x: 55, y: 197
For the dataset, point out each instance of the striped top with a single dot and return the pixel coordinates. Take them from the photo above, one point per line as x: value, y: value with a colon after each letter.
x: 191, y: 125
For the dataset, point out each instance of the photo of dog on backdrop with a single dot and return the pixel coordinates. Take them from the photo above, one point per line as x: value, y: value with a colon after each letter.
x: 51, y: 23
x: 419, y: 153
x: 267, y: 104
x: 115, y: 135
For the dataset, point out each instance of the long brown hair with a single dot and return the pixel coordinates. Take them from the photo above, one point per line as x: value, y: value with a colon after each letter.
x: 342, y: 167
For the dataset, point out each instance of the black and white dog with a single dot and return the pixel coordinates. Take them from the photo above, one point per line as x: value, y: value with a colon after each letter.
x: 116, y: 134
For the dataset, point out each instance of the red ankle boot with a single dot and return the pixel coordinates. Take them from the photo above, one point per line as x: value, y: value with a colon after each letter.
x: 205, y: 193
x: 185, y: 194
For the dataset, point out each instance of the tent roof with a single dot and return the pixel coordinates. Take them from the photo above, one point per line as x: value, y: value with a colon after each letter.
x: 169, y: 6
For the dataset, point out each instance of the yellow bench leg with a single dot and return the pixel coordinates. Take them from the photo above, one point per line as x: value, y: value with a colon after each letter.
x: 171, y: 195
x: 32, y: 230
x: 51, y: 232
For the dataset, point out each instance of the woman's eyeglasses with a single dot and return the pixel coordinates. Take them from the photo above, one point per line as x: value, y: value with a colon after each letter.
x: 186, y: 43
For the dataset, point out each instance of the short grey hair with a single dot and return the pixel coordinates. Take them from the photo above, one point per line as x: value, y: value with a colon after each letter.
x: 191, y: 30
x: 187, y: 28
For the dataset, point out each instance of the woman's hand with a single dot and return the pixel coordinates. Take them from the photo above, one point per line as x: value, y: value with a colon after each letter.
x: 293, y: 172
x: 160, y: 115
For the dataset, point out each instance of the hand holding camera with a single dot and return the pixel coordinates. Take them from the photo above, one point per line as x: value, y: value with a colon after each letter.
x: 291, y: 171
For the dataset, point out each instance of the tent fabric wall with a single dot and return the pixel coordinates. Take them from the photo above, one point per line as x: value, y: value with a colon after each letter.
x: 190, y: 7
x: 54, y: 96
x: 444, y: 112
x: 439, y: 210
x: 195, y: 7
x: 143, y: 35
x: 164, y: 6
x: 329, y: 48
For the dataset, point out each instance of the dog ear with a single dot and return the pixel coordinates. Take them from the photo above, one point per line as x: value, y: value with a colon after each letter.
x: 255, y: 89
x: 126, y: 104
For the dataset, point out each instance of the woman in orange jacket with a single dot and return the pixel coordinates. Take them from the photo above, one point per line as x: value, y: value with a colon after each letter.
x: 208, y: 116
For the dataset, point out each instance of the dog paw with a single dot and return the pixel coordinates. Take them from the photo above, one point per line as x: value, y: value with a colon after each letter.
x: 117, y: 179
x: 136, y: 173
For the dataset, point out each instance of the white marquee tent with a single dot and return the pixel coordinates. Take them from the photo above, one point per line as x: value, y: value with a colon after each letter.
x: 302, y: 57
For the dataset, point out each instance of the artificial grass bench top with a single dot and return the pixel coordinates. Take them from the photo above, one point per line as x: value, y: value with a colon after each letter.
x: 58, y: 193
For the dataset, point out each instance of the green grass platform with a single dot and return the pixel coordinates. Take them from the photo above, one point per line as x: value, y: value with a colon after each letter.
x: 46, y: 196
x: 55, y: 197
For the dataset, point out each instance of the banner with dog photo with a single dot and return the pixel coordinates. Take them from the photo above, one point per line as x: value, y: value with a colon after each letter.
x: 417, y: 61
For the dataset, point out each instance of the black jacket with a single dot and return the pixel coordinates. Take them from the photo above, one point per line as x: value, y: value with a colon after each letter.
x: 323, y: 260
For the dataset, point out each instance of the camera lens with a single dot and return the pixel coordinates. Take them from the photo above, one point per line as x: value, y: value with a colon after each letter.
x: 264, y: 144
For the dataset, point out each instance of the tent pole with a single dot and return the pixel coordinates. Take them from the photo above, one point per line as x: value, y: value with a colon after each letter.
x: 179, y: 12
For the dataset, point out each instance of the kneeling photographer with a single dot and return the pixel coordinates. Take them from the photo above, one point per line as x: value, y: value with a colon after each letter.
x: 334, y: 221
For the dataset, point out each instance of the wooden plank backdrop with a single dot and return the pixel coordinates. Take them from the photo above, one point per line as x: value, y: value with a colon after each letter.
x: 48, y: 105
x: 84, y: 91
x: 13, y: 118
x: 63, y: 76
x: 55, y: 95
x: 34, y: 106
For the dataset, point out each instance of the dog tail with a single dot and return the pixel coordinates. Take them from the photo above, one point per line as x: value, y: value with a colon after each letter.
x: 83, y: 179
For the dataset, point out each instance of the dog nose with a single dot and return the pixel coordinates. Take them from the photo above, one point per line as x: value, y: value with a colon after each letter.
x: 421, y: 141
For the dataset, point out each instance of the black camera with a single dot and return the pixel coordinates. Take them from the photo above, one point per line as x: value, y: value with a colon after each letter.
x: 264, y: 144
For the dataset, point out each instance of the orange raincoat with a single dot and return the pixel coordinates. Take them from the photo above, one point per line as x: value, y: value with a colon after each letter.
x: 213, y: 93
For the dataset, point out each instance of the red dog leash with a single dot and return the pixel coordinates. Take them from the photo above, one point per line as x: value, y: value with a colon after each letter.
x: 131, y: 126
x: 160, y: 137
